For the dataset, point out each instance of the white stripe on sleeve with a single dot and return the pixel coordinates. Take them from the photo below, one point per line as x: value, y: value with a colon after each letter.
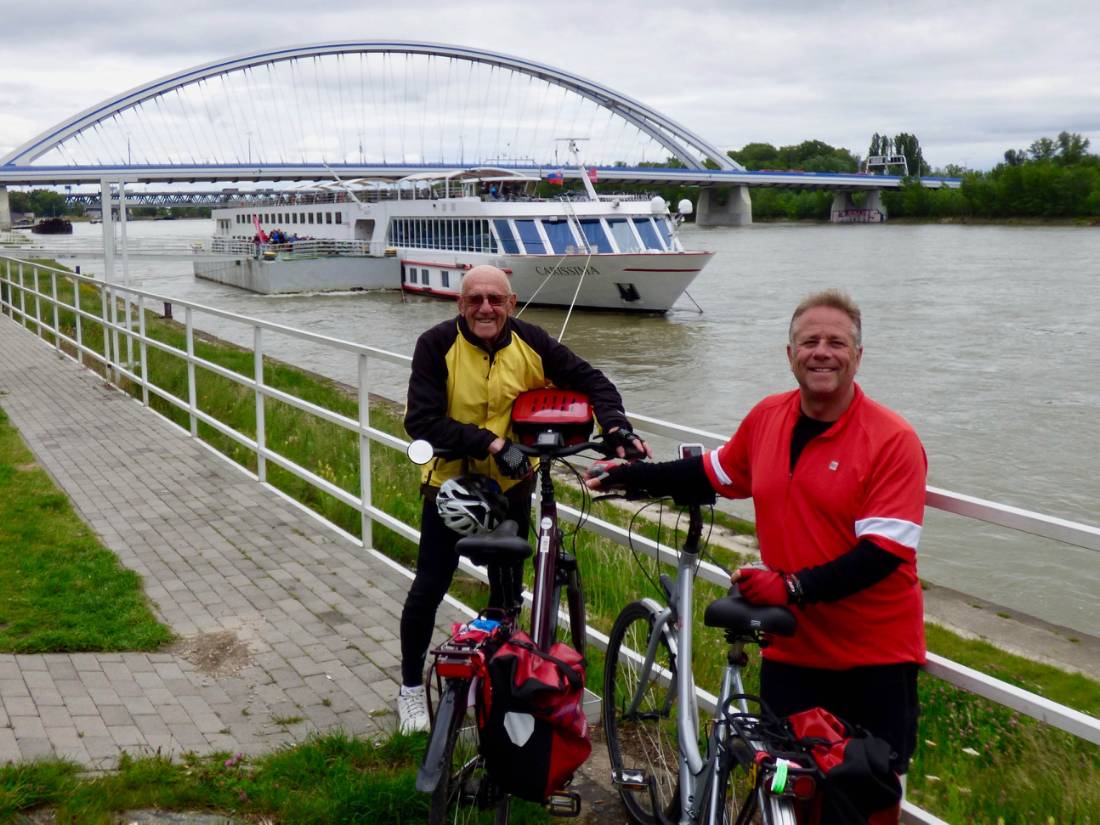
x: 716, y: 465
x: 903, y: 532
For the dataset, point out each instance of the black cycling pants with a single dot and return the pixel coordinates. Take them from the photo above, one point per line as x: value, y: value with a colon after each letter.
x: 435, y: 567
x: 879, y: 698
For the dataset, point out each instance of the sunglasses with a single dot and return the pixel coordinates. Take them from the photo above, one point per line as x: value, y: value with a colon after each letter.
x: 494, y: 299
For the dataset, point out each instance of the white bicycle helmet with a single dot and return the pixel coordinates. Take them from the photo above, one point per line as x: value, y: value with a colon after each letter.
x: 471, y: 504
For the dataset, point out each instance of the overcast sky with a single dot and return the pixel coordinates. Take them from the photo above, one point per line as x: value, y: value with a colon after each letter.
x: 969, y: 79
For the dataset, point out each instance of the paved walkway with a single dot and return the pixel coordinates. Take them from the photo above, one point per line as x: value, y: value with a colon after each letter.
x: 286, y: 627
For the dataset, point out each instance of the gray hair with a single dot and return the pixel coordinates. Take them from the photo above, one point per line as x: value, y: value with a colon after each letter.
x: 834, y: 299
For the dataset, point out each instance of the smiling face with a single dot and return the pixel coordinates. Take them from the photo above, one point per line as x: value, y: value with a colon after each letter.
x: 486, y: 302
x: 824, y: 358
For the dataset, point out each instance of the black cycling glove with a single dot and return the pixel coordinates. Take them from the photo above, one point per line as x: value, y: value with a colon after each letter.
x: 623, y: 437
x: 511, y: 461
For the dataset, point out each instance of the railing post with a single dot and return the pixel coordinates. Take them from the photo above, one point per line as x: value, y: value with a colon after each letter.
x: 5, y: 293
x: 364, y: 454
x: 192, y: 391
x: 56, y: 315
x: 261, y: 421
x: 117, y: 360
x: 106, y: 331
x: 22, y: 297
x: 37, y: 277
x: 143, y: 351
x: 79, y: 326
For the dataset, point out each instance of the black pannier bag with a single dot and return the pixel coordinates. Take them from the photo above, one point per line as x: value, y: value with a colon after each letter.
x: 858, y: 782
x: 534, y: 733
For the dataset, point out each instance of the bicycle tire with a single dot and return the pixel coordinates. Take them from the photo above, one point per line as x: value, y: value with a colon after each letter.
x: 649, y: 740
x: 463, y: 795
x: 759, y: 809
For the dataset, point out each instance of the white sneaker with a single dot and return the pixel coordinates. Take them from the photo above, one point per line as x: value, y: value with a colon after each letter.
x: 412, y: 709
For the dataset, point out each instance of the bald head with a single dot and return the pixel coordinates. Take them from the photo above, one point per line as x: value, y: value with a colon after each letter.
x: 488, y: 278
x: 486, y: 301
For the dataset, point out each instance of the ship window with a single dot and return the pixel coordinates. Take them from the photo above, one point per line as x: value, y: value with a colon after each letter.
x: 446, y: 276
x: 666, y: 232
x: 339, y: 217
x: 529, y: 234
x: 595, y: 235
x: 328, y: 217
x: 320, y: 217
x: 648, y: 234
x: 310, y: 217
x: 624, y: 237
x: 560, y: 235
x: 507, y: 239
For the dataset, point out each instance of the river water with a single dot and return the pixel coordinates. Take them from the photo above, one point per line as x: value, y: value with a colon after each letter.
x: 987, y: 338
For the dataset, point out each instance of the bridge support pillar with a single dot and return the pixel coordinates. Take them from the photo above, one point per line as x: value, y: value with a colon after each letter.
x: 5, y: 209
x: 736, y: 212
x: 844, y: 209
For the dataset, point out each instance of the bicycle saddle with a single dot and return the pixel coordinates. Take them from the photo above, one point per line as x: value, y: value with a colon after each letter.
x: 734, y: 613
x: 502, y: 546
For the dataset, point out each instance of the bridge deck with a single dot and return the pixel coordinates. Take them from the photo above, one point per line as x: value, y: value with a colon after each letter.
x: 227, y: 564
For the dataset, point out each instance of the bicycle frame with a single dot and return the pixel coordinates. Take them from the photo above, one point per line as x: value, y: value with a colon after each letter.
x: 698, y: 773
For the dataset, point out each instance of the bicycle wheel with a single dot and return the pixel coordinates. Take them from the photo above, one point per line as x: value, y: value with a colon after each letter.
x: 741, y: 804
x: 646, y: 739
x: 464, y: 794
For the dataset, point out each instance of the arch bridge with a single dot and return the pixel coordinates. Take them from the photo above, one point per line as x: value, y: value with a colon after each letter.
x: 383, y: 108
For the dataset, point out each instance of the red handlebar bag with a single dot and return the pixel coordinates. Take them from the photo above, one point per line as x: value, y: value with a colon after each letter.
x: 535, y: 734
x: 550, y: 408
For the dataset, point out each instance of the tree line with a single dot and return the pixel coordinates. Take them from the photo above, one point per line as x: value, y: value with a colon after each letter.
x: 1054, y: 178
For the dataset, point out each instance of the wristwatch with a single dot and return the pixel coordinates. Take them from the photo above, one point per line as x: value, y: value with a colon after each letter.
x: 794, y: 588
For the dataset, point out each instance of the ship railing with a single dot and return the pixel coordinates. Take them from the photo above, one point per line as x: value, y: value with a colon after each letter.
x: 12, y: 238
x: 38, y: 296
x: 298, y: 249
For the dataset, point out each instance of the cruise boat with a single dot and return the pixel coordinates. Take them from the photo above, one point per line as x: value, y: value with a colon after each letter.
x: 423, y: 232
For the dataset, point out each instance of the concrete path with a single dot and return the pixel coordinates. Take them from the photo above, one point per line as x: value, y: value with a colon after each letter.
x: 285, y: 626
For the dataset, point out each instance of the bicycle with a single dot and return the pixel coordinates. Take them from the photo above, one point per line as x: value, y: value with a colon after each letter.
x: 651, y: 713
x: 454, y: 769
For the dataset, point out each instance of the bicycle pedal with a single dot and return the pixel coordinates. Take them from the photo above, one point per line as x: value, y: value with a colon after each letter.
x: 564, y: 803
x: 632, y: 779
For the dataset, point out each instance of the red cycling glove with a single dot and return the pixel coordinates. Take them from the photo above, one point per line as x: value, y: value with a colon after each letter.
x: 762, y: 586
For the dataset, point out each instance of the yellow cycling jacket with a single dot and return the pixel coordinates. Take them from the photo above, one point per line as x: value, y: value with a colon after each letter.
x: 461, y: 391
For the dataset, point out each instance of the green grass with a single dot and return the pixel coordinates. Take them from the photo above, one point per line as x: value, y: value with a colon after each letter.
x: 328, y: 779
x: 61, y: 590
x: 976, y: 762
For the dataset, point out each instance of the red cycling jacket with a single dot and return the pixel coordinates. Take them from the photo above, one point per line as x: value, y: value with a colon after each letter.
x: 864, y: 478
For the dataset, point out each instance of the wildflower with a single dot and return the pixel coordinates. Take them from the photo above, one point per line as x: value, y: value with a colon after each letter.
x: 970, y: 752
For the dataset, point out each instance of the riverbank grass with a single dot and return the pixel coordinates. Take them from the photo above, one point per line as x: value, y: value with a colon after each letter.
x: 328, y: 779
x: 60, y: 589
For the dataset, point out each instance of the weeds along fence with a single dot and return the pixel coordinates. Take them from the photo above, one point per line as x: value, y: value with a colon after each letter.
x: 108, y: 328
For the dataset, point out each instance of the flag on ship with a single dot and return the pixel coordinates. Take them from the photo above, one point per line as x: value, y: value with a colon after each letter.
x: 592, y: 176
x: 555, y: 179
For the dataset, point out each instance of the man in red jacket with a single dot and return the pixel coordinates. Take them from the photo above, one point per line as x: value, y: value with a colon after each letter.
x: 838, y: 484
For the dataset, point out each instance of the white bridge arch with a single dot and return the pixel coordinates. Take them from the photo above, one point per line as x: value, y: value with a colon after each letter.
x: 358, y: 104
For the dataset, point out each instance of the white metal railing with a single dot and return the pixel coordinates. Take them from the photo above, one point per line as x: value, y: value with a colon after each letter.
x: 12, y: 238
x: 296, y: 249
x: 25, y: 302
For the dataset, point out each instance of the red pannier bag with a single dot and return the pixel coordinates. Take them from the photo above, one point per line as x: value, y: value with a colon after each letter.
x: 534, y: 733
x: 859, y: 786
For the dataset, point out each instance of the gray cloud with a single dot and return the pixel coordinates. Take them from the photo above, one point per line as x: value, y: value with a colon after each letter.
x: 971, y: 80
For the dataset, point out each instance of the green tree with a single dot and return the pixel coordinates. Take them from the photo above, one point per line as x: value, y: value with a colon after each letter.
x: 1042, y: 149
x: 756, y: 156
x: 908, y: 145
x: 1072, y: 148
